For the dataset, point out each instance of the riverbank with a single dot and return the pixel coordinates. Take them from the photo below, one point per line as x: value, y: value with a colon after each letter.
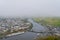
x: 13, y: 34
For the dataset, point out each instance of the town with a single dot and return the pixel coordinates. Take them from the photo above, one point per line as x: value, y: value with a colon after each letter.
x: 13, y: 25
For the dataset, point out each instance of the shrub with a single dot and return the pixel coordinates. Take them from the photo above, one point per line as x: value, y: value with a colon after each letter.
x: 48, y: 38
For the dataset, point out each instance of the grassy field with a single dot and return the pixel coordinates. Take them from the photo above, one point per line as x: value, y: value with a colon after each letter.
x: 53, y: 21
x: 50, y: 21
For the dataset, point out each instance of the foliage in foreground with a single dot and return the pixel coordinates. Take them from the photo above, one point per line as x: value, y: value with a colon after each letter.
x: 49, y: 38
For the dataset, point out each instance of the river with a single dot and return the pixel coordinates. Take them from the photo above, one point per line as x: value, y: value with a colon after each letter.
x: 28, y: 35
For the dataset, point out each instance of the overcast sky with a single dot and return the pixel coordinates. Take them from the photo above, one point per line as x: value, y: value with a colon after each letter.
x: 29, y: 8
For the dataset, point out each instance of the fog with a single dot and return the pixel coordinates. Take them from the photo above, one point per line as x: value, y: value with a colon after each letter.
x: 29, y: 8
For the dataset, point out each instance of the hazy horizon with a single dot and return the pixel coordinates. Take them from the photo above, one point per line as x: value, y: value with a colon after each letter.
x: 29, y: 8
